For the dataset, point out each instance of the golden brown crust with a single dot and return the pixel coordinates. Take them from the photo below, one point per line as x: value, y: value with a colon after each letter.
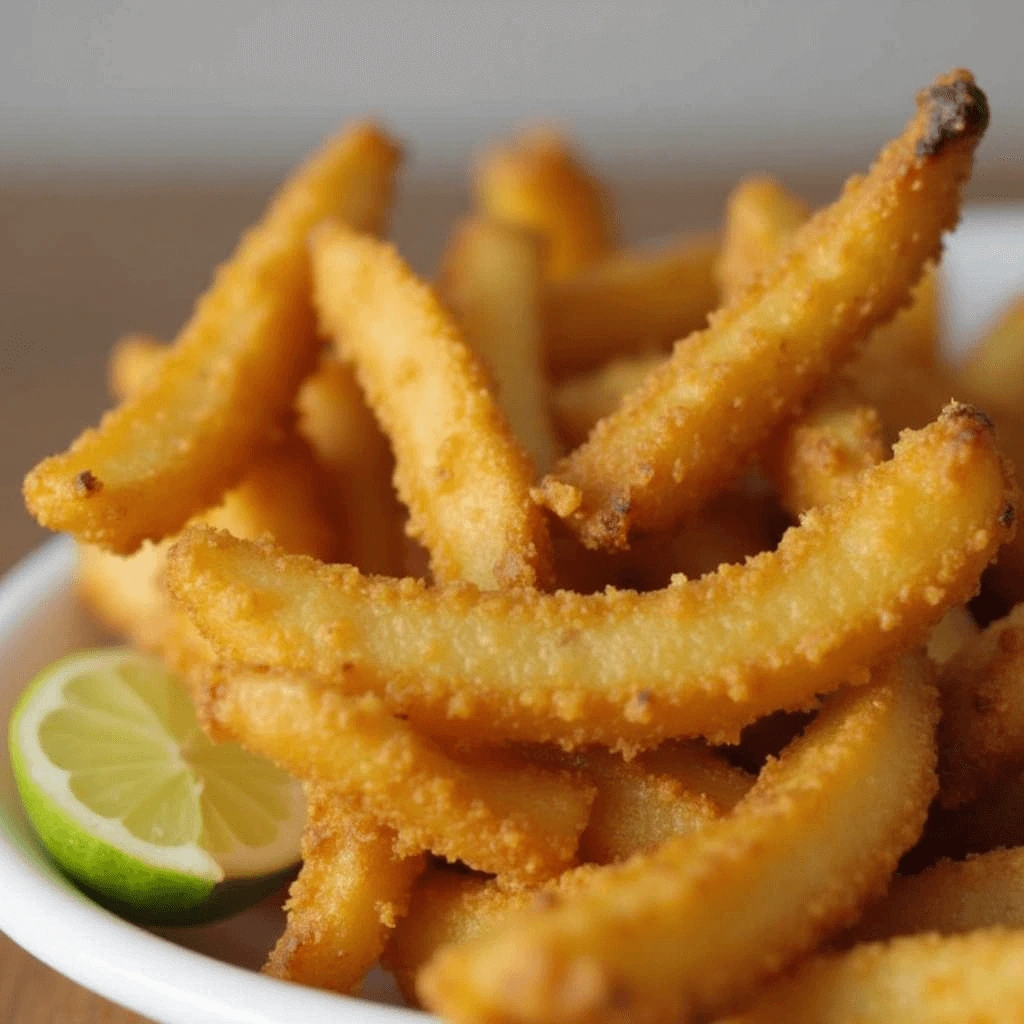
x: 690, y: 930
x: 458, y: 468
x: 857, y: 580
x: 229, y: 382
x: 693, y: 424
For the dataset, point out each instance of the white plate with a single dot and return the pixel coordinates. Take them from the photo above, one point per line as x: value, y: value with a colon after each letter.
x: 208, y: 975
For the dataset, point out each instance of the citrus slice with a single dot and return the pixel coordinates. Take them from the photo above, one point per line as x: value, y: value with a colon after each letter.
x: 133, y: 801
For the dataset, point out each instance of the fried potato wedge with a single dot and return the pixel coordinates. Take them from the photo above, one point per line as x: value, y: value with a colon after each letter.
x: 171, y: 450
x: 982, y: 735
x: 680, y: 438
x: 819, y: 457
x: 491, y: 281
x: 855, y: 582
x: 452, y: 906
x: 994, y: 370
x: 538, y: 182
x: 459, y: 470
x: 984, y: 891
x: 923, y: 979
x: 493, y: 811
x: 357, y: 468
x: 690, y: 930
x: 351, y: 891
x: 633, y: 302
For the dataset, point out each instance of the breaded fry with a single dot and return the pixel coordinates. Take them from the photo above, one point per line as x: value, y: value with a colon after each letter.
x: 538, y: 182
x: 452, y: 906
x: 229, y: 382
x: 952, y: 896
x: 690, y: 930
x: 856, y: 581
x: 665, y: 793
x: 761, y: 218
x: 493, y: 811
x: 694, y: 423
x: 994, y: 370
x: 357, y: 468
x: 923, y: 979
x: 491, y: 281
x: 458, y: 468
x: 633, y: 302
x: 982, y: 735
x: 818, y: 458
x: 352, y: 890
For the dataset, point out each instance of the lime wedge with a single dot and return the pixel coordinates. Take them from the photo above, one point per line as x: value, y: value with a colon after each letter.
x: 133, y: 801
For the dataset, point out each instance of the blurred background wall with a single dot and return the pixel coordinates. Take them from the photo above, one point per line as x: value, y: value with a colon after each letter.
x: 138, y: 138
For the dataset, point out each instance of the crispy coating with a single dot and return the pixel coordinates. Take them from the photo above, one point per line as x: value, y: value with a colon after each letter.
x: 982, y: 735
x: 922, y: 979
x: 453, y: 906
x: 350, y: 893
x: 633, y: 302
x: 692, y: 929
x: 357, y: 468
x: 493, y: 811
x: 229, y: 382
x: 994, y: 370
x: 856, y: 581
x: 491, y: 281
x: 694, y: 423
x: 761, y: 218
x: 818, y: 458
x: 538, y: 182
x: 458, y: 468
x: 952, y: 896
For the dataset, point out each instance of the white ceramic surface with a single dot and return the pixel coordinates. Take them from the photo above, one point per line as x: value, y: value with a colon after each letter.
x: 207, y: 975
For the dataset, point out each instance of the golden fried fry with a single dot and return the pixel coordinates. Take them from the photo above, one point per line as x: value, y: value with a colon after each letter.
x: 357, y: 467
x: 761, y: 218
x: 924, y: 979
x: 952, y: 896
x: 658, y: 795
x: 631, y: 303
x: 352, y: 890
x: 491, y: 281
x: 538, y: 182
x: 229, y: 382
x: 856, y: 581
x: 818, y: 458
x: 452, y: 906
x: 994, y: 371
x: 690, y: 930
x: 693, y: 424
x: 461, y: 473
x: 982, y: 735
x: 492, y: 811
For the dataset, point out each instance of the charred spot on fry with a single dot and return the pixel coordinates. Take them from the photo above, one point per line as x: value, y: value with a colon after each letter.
x: 955, y: 108
x: 87, y: 483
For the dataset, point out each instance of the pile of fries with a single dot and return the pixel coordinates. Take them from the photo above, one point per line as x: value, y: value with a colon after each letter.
x: 633, y: 701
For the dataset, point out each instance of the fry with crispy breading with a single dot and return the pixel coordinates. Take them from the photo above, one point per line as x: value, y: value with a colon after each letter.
x: 982, y: 735
x: 350, y: 893
x: 538, y: 182
x: 691, y: 929
x: 856, y: 581
x: 633, y: 302
x: 983, y: 891
x: 452, y: 906
x: 229, y: 382
x: 458, y: 468
x: 493, y: 811
x: 491, y: 281
x: 680, y: 438
x: 921, y: 979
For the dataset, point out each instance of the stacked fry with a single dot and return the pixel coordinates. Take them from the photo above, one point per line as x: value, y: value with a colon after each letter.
x: 617, y: 706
